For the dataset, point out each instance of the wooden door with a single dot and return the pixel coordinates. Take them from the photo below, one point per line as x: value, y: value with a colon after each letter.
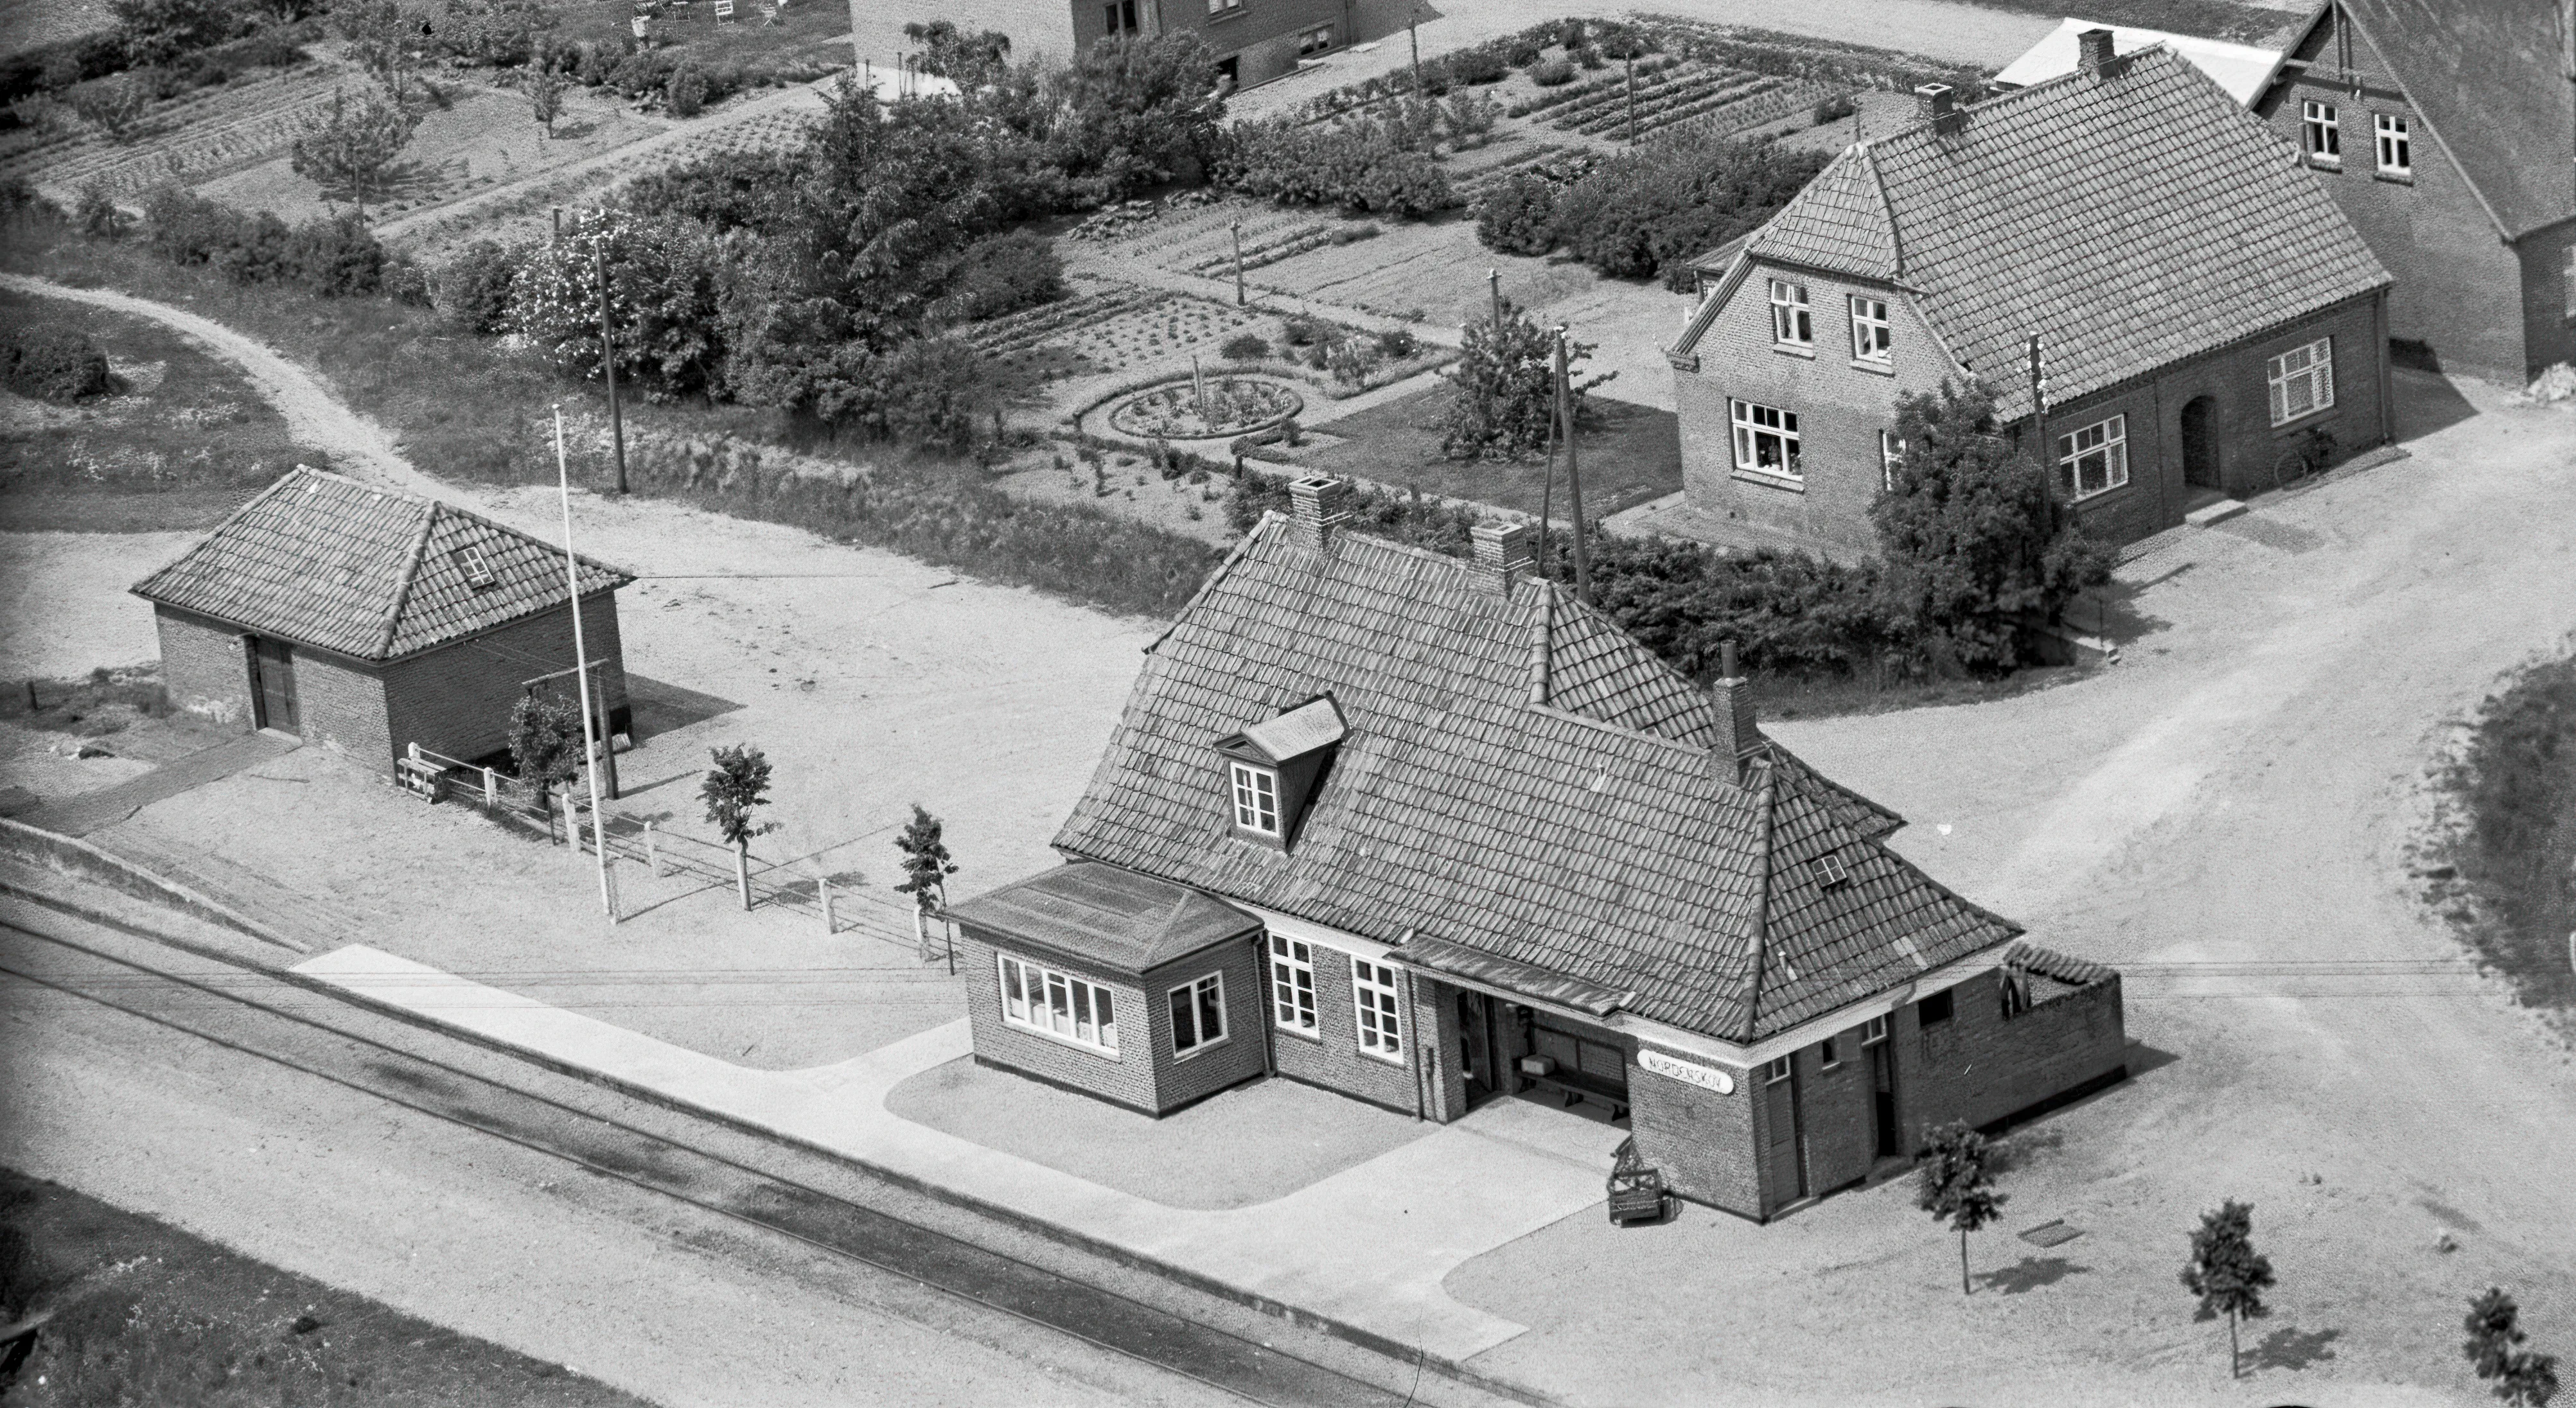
x: 1476, y: 1046
x: 2200, y: 467
x: 273, y: 664
x: 1788, y: 1162
x: 1882, y: 1098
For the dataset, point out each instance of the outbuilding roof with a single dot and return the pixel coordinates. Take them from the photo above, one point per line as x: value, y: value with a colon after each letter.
x: 2130, y: 217
x: 1519, y: 778
x: 1111, y: 916
x: 370, y: 573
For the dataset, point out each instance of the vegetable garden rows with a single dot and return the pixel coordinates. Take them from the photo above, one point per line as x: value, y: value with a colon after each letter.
x: 232, y: 129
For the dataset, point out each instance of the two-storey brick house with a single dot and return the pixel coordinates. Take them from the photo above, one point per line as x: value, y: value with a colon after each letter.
x: 2447, y: 132
x: 1254, y: 40
x: 2201, y: 312
x: 1431, y: 832
x: 368, y: 620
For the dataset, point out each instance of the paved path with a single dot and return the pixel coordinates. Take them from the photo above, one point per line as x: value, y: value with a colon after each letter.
x: 1367, y: 1247
x: 86, y: 812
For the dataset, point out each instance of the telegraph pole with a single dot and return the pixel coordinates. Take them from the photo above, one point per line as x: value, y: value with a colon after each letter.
x: 1632, y: 92
x: 608, y: 359
x: 1494, y: 285
x: 1573, y: 474
x: 581, y: 678
x: 1237, y: 228
x: 1412, y: 12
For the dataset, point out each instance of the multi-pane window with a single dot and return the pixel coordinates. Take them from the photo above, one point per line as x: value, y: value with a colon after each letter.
x: 1256, y: 799
x: 1373, y: 993
x: 1766, y: 438
x: 1224, y: 7
x: 2396, y: 148
x: 1871, y: 334
x: 2323, y: 130
x: 1792, y: 322
x: 2095, y: 459
x: 1292, y: 984
x: 1776, y: 1072
x: 2302, y: 380
x: 1316, y: 40
x: 1891, y: 458
x: 1198, y: 1014
x: 1060, y: 1005
x: 1873, y: 1031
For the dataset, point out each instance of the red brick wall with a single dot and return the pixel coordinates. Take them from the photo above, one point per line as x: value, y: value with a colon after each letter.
x: 1144, y: 1075
x: 1332, y: 1057
x: 203, y: 668
x: 1981, y: 1066
x: 1836, y: 1105
x: 2549, y: 332
x: 457, y: 698
x: 1240, y: 1057
x: 340, y: 704
x: 1703, y: 1142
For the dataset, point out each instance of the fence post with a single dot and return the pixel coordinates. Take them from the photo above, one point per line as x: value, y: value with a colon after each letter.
x: 652, y: 857
x: 824, y: 888
x: 616, y: 914
x: 572, y: 827
x: 415, y: 751
x: 491, y: 789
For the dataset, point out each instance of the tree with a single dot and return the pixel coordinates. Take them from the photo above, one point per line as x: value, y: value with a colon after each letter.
x: 1139, y: 112
x: 2227, y: 1273
x: 353, y: 147
x: 738, y: 782
x: 113, y: 107
x: 972, y: 60
x: 545, y: 96
x: 2522, y: 1378
x: 926, y: 862
x: 545, y: 747
x: 1976, y: 534
x: 155, y: 32
x: 1506, y: 380
x: 663, y: 301
x: 379, y: 41
x: 1956, y: 1185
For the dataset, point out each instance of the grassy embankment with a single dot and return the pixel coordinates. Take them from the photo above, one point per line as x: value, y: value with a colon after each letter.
x: 2515, y: 851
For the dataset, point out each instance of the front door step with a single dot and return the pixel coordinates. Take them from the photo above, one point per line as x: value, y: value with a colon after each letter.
x: 2218, y: 512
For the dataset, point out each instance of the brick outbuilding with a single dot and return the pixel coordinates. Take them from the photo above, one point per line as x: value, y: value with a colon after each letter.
x: 369, y: 620
x: 1430, y: 832
x: 2204, y: 321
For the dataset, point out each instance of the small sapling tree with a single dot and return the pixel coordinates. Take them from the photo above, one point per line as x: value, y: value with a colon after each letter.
x: 1506, y: 380
x: 2522, y: 1378
x: 545, y: 750
x: 115, y: 106
x: 2227, y: 1273
x: 354, y: 146
x: 545, y: 96
x: 1957, y: 1186
x: 738, y: 782
x: 926, y: 866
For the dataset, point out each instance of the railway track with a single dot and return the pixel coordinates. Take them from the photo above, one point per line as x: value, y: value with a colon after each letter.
x: 605, y: 1134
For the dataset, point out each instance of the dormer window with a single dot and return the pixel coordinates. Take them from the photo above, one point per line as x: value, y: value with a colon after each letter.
x: 1256, y: 799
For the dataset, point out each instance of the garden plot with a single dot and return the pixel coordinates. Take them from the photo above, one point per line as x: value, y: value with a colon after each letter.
x: 1721, y: 100
x: 1155, y: 335
x: 194, y: 140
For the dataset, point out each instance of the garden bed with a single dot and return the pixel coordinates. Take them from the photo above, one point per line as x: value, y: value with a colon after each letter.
x: 1630, y: 455
x: 1206, y: 408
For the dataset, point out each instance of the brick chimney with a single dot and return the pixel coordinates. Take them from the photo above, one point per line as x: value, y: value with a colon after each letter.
x: 1317, y: 506
x: 1737, y: 736
x: 1505, y: 553
x: 2094, y: 51
x: 1937, y: 103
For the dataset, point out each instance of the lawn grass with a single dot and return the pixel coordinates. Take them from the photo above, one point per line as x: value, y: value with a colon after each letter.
x: 183, y: 443
x: 2516, y: 854
x: 1629, y: 455
x: 147, y: 1314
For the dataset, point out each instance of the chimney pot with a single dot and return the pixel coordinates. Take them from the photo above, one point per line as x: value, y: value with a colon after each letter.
x: 1317, y: 506
x: 1934, y: 101
x: 2094, y: 50
x: 1505, y: 552
x: 1738, y: 735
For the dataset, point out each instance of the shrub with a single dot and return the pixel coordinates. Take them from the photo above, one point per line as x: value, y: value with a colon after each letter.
x: 662, y: 276
x: 1506, y: 389
x: 1521, y: 51
x: 1589, y: 56
x: 1245, y: 347
x: 1303, y: 331
x: 1833, y: 109
x: 53, y: 366
x: 159, y: 31
x: 1519, y: 216
x: 1551, y: 73
x: 686, y: 93
x: 1005, y: 274
x: 335, y: 256
x: 926, y: 393
x: 1360, y: 166
x: 1398, y: 343
x: 1139, y: 112
x: 94, y: 213
x: 1478, y: 65
x: 1651, y: 210
x: 255, y: 250
x: 115, y: 106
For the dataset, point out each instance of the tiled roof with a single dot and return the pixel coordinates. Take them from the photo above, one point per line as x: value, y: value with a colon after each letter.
x: 2130, y: 219
x: 1519, y: 778
x: 1117, y: 917
x: 2486, y: 74
x: 329, y: 562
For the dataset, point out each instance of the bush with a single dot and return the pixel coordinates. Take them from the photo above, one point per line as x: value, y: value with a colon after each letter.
x: 1652, y: 210
x: 1005, y: 274
x: 662, y: 296
x: 1396, y: 344
x: 1479, y: 65
x: 1244, y: 347
x: 1303, y: 331
x: 1360, y: 166
x: 1553, y: 73
x: 1833, y: 109
x: 334, y: 256
x: 53, y: 366
x: 1519, y: 216
x: 1506, y: 389
x: 686, y: 94
x: 94, y: 213
x: 1589, y: 57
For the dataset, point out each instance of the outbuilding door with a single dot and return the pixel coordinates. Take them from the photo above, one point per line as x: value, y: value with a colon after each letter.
x: 272, y: 665
x: 2200, y: 467
x: 1787, y: 1152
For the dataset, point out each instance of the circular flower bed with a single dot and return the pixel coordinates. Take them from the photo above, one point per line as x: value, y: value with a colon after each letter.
x: 1207, y: 409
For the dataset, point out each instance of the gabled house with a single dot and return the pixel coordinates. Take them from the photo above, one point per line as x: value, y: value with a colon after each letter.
x: 2446, y: 130
x: 2204, y: 319
x: 1431, y: 832
x: 369, y: 620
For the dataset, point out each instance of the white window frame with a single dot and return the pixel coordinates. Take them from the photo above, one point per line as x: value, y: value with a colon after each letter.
x: 1255, y: 791
x: 1751, y: 430
x: 1828, y: 1055
x: 1777, y: 1070
x: 2393, y: 143
x: 1377, y: 1010
x: 1891, y: 458
x: 1224, y: 7
x: 1793, y: 322
x: 2104, y: 441
x: 1873, y: 333
x: 1205, y: 1002
x: 1292, y: 985
x: 1873, y: 1031
x: 1075, y: 1020
x: 2321, y: 130
x: 2301, y: 381
x: 1315, y: 41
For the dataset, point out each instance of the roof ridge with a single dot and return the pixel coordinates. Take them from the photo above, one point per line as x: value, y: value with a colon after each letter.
x: 1763, y: 838
x: 410, y: 574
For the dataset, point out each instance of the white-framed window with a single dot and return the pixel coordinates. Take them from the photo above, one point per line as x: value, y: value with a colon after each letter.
x: 477, y: 568
x: 1776, y: 1072
x: 1316, y: 40
x: 2323, y: 131
x: 1198, y: 1014
x: 1224, y: 7
x: 1873, y: 1031
x: 1872, y: 335
x: 1766, y: 438
x: 1373, y: 995
x: 1792, y: 322
x: 1256, y: 798
x: 2302, y: 380
x: 2095, y: 459
x: 1058, y: 1005
x: 1292, y: 984
x: 1891, y: 458
x: 1829, y: 1053
x: 2396, y: 148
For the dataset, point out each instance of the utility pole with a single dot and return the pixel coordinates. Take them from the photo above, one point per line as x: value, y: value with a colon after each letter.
x: 558, y: 239
x: 581, y: 678
x: 1412, y: 12
x: 1237, y: 228
x: 1632, y: 92
x: 1573, y: 473
x: 608, y: 359
x: 1494, y: 285
x: 2039, y: 448
x: 1546, y: 500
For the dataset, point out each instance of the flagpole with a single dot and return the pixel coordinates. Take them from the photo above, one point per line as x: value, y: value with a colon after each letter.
x: 581, y: 675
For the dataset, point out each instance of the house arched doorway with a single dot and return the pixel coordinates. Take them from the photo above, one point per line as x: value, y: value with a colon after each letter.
x: 2200, y: 458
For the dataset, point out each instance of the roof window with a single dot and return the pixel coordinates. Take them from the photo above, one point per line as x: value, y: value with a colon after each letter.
x: 476, y: 567
x: 1828, y: 872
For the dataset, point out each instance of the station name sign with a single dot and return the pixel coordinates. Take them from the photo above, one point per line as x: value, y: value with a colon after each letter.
x: 1705, y: 1077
